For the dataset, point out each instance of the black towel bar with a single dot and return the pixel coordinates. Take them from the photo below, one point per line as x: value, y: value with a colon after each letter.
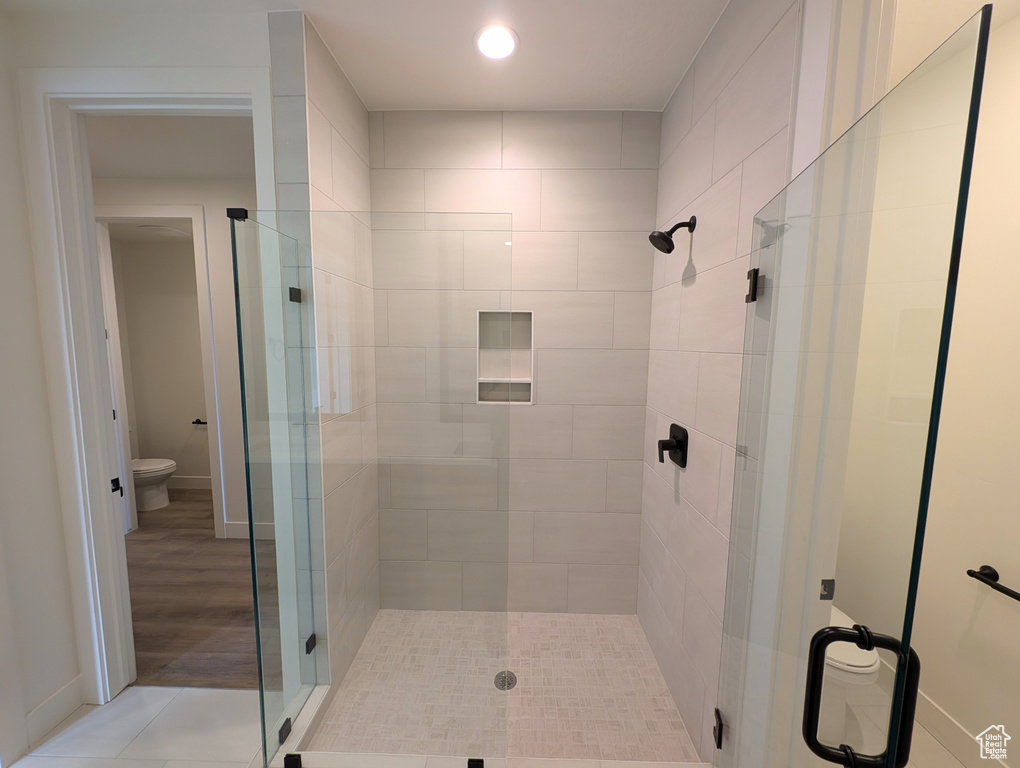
x: 988, y: 575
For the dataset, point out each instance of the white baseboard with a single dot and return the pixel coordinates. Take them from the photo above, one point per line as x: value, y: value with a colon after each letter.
x: 52, y: 711
x: 951, y: 734
x: 235, y: 530
x: 197, y: 482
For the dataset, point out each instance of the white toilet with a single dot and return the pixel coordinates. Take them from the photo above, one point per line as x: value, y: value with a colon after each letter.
x: 150, y: 476
x: 847, y: 668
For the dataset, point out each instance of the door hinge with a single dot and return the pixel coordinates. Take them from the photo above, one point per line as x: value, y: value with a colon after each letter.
x: 292, y: 760
x: 310, y: 644
x: 284, y: 730
x: 114, y: 414
x: 717, y: 729
x: 752, y: 285
x: 238, y: 214
x: 116, y: 487
x: 295, y: 294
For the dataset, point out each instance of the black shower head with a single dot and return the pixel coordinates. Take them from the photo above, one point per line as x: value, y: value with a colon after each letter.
x: 663, y: 241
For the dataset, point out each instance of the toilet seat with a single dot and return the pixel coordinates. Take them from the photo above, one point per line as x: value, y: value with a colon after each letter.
x: 847, y: 656
x: 142, y: 467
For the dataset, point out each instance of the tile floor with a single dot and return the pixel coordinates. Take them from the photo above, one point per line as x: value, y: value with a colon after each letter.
x: 156, y: 727
x: 588, y: 688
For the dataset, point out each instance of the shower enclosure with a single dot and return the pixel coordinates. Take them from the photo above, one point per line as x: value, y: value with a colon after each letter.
x: 846, y: 344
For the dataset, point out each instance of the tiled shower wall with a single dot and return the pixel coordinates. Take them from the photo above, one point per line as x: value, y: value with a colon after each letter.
x: 723, y: 156
x: 321, y: 136
x: 342, y: 252
x: 581, y: 188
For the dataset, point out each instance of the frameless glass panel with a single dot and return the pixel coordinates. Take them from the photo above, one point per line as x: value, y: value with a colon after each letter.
x: 844, y: 357
x: 277, y: 367
x: 416, y: 358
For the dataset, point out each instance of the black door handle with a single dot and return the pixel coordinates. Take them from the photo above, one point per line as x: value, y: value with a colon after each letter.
x: 676, y: 445
x: 864, y: 638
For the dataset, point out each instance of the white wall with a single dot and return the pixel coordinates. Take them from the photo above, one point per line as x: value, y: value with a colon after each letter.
x: 723, y: 156
x: 156, y: 292
x: 215, y: 195
x: 38, y: 653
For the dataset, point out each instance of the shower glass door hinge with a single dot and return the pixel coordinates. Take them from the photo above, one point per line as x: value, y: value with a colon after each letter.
x: 476, y: 762
x: 752, y: 285
x: 310, y: 644
x: 717, y: 729
x: 295, y: 294
x: 284, y: 730
x: 828, y: 590
x: 292, y: 760
x: 238, y: 214
x: 115, y: 486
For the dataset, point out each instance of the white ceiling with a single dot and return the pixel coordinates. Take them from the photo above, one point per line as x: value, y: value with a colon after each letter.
x: 419, y: 54
x: 171, y: 147
x: 573, y: 54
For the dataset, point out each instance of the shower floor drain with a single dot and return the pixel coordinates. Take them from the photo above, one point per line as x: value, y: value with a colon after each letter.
x: 505, y: 680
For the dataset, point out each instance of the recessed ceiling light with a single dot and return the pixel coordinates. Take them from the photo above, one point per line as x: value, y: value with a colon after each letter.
x: 496, y: 41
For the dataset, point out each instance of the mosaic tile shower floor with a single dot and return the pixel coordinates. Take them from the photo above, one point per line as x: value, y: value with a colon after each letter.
x: 588, y: 688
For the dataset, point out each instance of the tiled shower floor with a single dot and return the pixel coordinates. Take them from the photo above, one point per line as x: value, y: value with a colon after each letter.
x: 588, y: 688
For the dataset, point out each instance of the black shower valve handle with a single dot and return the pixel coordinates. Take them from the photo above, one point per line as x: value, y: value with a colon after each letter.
x: 676, y: 445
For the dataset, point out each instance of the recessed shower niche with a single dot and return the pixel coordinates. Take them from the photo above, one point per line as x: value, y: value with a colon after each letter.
x: 505, y: 357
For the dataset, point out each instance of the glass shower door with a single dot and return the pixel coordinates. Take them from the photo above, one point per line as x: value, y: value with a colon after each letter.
x: 277, y: 354
x: 849, y: 311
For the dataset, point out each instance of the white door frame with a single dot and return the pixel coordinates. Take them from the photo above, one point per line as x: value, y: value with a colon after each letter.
x: 197, y: 214
x: 53, y: 103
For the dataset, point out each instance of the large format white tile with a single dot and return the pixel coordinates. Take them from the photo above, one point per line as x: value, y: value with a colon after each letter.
x: 641, y: 139
x: 608, y: 432
x: 569, y: 319
x: 348, y: 508
x: 481, y: 191
x: 541, y: 432
x: 591, y: 377
x: 614, y: 261
x: 320, y: 160
x: 604, y: 538
x: 763, y: 175
x: 470, y: 484
x: 332, y: 93
x: 398, y: 189
x: 632, y: 319
x: 687, y: 172
x: 487, y: 260
x: 104, y: 731
x: 400, y: 373
x: 664, y: 323
x: 403, y: 534
x: 544, y: 139
x: 623, y: 486
x: 362, y: 557
x: 436, y: 139
x: 537, y: 587
x: 712, y: 310
x: 714, y: 240
x: 202, y: 724
x: 617, y: 201
x: 352, y: 760
x: 468, y: 536
x: 423, y: 586
x: 290, y: 127
x: 751, y: 108
x: 418, y: 259
x: 544, y: 261
x: 676, y: 116
x: 560, y: 485
x: 739, y: 31
x: 702, y: 636
x: 718, y: 396
x: 436, y: 318
x: 420, y: 429
x: 602, y: 589
x: 52, y: 761
x: 451, y: 375
x: 673, y: 385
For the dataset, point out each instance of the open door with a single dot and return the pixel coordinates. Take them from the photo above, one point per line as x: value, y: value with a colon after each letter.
x: 850, y: 306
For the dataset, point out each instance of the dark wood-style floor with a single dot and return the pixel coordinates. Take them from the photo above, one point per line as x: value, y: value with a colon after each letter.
x: 191, y: 598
